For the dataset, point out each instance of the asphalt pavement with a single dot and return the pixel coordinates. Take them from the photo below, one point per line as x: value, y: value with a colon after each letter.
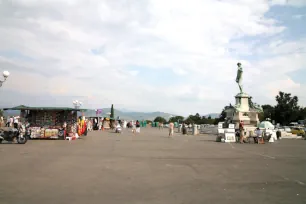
x: 151, y: 168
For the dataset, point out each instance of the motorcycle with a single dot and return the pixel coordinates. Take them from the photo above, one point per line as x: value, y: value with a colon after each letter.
x: 13, y: 134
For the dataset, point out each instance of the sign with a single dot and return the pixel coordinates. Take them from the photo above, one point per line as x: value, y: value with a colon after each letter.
x: 230, y: 137
x: 231, y: 126
x: 220, y: 125
x: 220, y: 131
x: 98, y: 111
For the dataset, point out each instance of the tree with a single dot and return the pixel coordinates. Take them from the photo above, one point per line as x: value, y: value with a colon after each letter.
x: 160, y: 119
x: 302, y: 114
x: 189, y: 120
x: 112, y: 115
x: 287, y: 109
x: 1, y: 112
x: 176, y: 119
x: 194, y: 119
x: 222, y: 115
x: 268, y: 112
x: 148, y: 121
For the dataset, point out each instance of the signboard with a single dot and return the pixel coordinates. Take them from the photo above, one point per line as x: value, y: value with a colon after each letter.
x: 220, y: 131
x: 231, y: 126
x: 220, y: 125
x: 230, y: 137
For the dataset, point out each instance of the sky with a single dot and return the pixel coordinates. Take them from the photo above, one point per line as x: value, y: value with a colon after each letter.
x: 175, y: 56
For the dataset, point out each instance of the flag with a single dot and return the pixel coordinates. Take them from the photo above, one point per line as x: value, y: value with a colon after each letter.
x: 98, y: 111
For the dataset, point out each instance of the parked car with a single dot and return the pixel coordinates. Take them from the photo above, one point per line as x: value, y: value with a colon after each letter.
x: 282, y: 129
x: 298, y: 131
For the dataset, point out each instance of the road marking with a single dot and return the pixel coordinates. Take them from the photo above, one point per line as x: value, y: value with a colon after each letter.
x: 296, y: 181
x: 300, y: 182
x: 263, y: 155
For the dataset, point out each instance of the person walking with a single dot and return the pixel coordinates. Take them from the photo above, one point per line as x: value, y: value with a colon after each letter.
x: 161, y: 126
x: 1, y: 121
x: 16, y: 122
x: 11, y: 121
x: 241, y: 129
x: 137, y: 127
x: 171, y: 129
x: 133, y: 127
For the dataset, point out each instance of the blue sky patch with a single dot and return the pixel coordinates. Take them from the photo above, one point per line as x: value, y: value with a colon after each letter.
x: 299, y: 76
x: 14, y: 54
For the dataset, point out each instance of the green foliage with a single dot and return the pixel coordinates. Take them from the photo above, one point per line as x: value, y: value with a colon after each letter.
x: 222, y: 115
x: 193, y: 119
x: 189, y: 120
x: 160, y: 119
x: 268, y: 112
x: 149, y: 121
x: 197, y: 119
x: 1, y: 112
x: 286, y: 109
x: 176, y: 119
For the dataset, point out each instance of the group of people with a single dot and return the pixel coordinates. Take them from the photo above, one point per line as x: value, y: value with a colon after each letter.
x: 259, y: 135
x: 11, y: 121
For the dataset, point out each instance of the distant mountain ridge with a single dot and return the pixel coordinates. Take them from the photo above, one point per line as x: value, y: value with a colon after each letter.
x: 132, y: 115
x: 123, y: 114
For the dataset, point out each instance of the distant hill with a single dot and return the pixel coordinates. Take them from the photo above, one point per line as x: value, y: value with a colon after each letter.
x: 130, y: 115
x: 123, y: 114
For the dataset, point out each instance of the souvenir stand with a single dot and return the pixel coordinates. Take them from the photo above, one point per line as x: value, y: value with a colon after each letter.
x: 49, y: 122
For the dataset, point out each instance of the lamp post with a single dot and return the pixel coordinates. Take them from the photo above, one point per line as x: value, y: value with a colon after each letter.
x: 77, y: 104
x: 5, y: 74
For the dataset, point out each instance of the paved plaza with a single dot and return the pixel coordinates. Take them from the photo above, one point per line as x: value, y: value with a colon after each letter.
x: 151, y: 168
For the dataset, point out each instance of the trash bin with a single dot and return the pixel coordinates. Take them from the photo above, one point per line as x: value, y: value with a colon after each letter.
x: 194, y: 130
x: 184, y: 130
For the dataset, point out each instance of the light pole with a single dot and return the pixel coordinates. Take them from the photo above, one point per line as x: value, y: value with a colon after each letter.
x: 5, y: 74
x: 77, y: 104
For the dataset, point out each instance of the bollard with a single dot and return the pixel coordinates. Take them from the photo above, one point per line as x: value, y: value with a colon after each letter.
x: 194, y: 130
x: 179, y: 129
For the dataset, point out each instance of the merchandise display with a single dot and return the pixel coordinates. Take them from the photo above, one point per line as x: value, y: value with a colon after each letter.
x: 51, y: 122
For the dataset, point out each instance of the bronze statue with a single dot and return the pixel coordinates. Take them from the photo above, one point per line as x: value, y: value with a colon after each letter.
x: 239, y: 77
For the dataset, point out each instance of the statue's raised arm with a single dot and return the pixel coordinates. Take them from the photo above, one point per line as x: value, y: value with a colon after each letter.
x: 239, y: 77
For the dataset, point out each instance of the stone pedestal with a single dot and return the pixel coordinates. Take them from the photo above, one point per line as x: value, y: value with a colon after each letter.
x: 242, y: 111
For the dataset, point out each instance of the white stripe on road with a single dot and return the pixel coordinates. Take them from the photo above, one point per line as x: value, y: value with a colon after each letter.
x: 263, y: 155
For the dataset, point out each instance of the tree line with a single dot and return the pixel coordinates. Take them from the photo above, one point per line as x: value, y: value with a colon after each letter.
x: 285, y: 111
x: 196, y: 119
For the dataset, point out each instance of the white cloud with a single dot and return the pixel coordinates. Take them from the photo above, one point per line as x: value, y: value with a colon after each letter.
x: 87, y: 48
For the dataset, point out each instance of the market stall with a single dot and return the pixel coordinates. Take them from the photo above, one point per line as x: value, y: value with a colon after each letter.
x: 51, y: 122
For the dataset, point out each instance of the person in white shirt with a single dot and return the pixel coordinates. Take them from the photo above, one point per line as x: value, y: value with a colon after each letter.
x: 16, y: 122
x: 11, y: 121
x: 258, y: 134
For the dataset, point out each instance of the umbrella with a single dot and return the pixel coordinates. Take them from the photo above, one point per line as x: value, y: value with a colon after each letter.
x: 266, y: 125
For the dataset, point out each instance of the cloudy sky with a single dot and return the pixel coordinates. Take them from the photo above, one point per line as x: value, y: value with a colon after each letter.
x: 175, y: 56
